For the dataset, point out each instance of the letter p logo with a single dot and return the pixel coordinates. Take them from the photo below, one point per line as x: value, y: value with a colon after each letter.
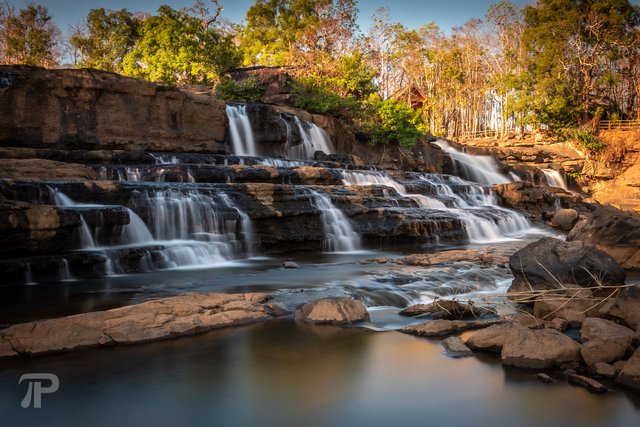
x: 36, y: 388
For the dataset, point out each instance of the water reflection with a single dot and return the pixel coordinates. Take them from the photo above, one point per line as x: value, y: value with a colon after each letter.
x: 283, y: 373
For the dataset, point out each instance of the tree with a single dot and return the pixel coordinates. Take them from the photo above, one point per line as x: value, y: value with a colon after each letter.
x: 284, y: 32
x: 30, y: 36
x: 109, y: 36
x: 570, y: 44
x: 175, y: 47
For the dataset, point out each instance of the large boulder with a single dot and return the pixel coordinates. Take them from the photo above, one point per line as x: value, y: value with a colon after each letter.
x: 613, y: 231
x: 565, y: 219
x: 538, y: 349
x: 604, y: 341
x: 489, y: 339
x: 625, y: 307
x: 551, y: 263
x: 630, y: 374
x: 337, y: 311
x: 571, y: 305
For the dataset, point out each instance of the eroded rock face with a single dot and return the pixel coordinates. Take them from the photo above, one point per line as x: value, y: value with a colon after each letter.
x: 337, y: 311
x: 93, y: 109
x: 526, y: 196
x: 549, y: 262
x: 613, y: 231
x: 153, y: 320
x: 538, y: 349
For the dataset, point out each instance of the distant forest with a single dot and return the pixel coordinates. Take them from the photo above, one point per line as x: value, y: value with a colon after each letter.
x: 554, y: 64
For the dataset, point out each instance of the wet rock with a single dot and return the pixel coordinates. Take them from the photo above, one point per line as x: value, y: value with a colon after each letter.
x: 538, y: 349
x: 625, y: 307
x: 276, y: 309
x: 6, y: 349
x: 290, y: 264
x: 439, y: 328
x: 340, y: 310
x: 542, y: 377
x: 630, y: 373
x: 149, y: 321
x: 602, y: 369
x: 526, y: 196
x: 613, y: 231
x: 454, y: 256
x: 604, y: 341
x: 455, y: 347
x: 565, y: 219
x: 549, y: 262
x: 44, y: 169
x: 448, y: 309
x: 489, y: 339
x: 586, y: 382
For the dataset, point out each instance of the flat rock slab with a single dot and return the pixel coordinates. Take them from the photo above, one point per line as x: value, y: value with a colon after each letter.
x: 455, y: 347
x: 448, y: 309
x: 337, y: 311
x: 439, y: 328
x: 149, y: 321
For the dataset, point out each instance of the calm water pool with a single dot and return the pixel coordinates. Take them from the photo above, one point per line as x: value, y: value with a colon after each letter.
x: 283, y: 373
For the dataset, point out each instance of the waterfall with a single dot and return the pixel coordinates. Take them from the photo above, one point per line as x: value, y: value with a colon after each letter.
x: 339, y: 235
x: 314, y: 138
x: 65, y: 272
x: 476, y: 207
x: 186, y: 228
x: 381, y: 178
x: 482, y: 169
x: 554, y: 178
x: 242, y: 138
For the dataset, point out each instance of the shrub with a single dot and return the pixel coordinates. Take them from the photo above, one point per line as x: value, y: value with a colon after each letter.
x: 247, y: 90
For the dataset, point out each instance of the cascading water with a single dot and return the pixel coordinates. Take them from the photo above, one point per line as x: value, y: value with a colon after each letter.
x: 482, y: 169
x: 554, y: 178
x: 483, y: 220
x: 314, y: 138
x: 339, y: 235
x: 189, y: 229
x: 241, y: 133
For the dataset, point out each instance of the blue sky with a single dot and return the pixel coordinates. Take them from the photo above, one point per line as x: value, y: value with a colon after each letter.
x: 411, y: 13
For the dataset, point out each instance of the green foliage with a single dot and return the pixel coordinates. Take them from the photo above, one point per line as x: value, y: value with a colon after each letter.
x: 396, y: 122
x: 313, y: 94
x: 30, y: 36
x: 588, y: 140
x: 247, y: 90
x: 108, y: 38
x: 175, y: 47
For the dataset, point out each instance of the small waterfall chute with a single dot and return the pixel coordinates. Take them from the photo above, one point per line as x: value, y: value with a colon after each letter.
x: 339, y: 234
x: 554, y: 178
x: 482, y: 169
x: 243, y: 140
